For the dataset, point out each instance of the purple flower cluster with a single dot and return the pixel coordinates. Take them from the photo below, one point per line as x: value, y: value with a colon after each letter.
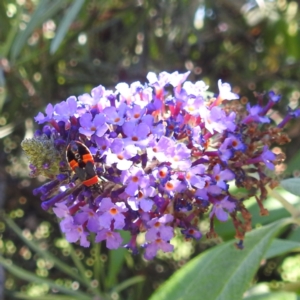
x: 162, y: 153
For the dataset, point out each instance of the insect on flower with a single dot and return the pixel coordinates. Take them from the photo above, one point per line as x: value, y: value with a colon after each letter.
x: 82, y: 163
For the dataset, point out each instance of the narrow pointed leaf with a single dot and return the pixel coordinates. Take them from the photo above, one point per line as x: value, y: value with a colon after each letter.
x: 116, y: 261
x: 31, y: 277
x: 63, y: 27
x: 274, y: 296
x: 223, y: 272
x: 279, y: 247
x: 45, y: 10
x: 42, y: 252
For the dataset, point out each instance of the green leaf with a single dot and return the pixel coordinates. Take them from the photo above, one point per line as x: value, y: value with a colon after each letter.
x: 116, y: 260
x: 294, y: 164
x: 223, y: 272
x: 292, y: 185
x: 59, y: 264
x: 28, y: 276
x: 274, y: 296
x: 63, y: 27
x: 6, y: 45
x: 44, y: 11
x: 279, y: 247
x: 43, y: 297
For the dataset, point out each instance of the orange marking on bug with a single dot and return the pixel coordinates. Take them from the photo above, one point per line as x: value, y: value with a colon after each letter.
x: 87, y: 157
x: 73, y: 164
x: 91, y: 181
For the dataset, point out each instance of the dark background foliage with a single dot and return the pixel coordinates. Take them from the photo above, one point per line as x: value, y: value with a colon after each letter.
x: 51, y: 49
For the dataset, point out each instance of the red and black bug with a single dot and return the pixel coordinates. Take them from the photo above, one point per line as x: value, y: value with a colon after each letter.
x: 82, y: 163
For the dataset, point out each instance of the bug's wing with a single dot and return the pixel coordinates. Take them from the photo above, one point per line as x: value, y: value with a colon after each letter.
x: 80, y: 173
x: 90, y: 169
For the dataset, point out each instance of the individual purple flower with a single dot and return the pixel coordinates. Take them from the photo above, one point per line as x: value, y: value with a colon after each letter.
x: 179, y: 157
x: 161, y: 80
x: 87, y: 99
x: 196, y: 89
x: 134, y: 179
x: 193, y: 106
x: 90, y: 125
x: 234, y: 142
x: 141, y: 96
x: 158, y: 236
x: 142, y: 200
x: 135, y: 113
x: 120, y: 153
x: 255, y: 115
x: 156, y: 149
x: 123, y: 89
x: 88, y: 216
x: 111, y: 212
x: 159, y: 226
x: 221, y: 177
x: 40, y: 118
x: 157, y: 244
x: 113, y: 239
x: 61, y: 210
x: 194, y: 176
x: 274, y: 97
x: 103, y: 144
x: 192, y: 232
x: 136, y: 133
x: 115, y: 116
x: 266, y: 156
x: 162, y: 174
x: 196, y: 137
x: 176, y: 79
x: 201, y: 194
x: 157, y: 130
x: 98, y: 93
x: 66, y: 109
x: 225, y: 91
x: 231, y: 144
x: 290, y: 115
x: 74, y: 232
x: 225, y: 152
x: 222, y: 208
x: 214, y: 119
x: 96, y: 97
x: 173, y: 185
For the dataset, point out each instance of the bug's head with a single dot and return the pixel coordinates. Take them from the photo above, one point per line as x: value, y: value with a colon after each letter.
x: 73, y: 147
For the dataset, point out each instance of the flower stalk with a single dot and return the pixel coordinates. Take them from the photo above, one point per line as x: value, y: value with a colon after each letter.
x: 144, y: 159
